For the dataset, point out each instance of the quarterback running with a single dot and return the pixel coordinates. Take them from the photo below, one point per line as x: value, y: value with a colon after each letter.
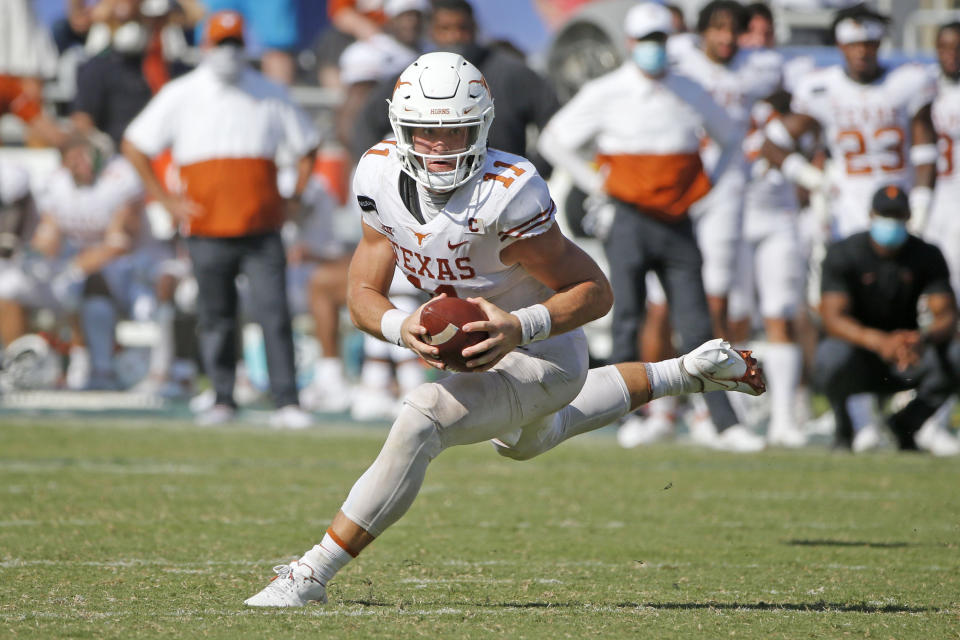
x: 461, y: 220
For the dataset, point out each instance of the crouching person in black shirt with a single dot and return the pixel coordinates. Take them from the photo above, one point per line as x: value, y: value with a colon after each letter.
x: 872, y: 283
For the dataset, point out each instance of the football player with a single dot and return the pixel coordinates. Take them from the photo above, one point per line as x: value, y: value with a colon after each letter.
x: 459, y: 219
x: 874, y: 121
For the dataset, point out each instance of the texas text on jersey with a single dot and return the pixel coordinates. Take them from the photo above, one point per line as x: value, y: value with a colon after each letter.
x: 458, y: 251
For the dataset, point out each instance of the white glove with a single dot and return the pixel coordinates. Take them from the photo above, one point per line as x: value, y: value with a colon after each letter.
x: 67, y: 287
x: 599, y: 215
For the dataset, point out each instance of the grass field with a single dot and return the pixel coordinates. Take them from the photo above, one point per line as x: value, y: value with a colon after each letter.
x: 133, y: 529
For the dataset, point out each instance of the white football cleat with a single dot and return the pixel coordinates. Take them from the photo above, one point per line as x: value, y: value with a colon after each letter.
x: 738, y: 439
x: 937, y: 440
x: 786, y: 436
x: 636, y: 431
x: 719, y: 367
x: 868, y: 438
x: 291, y: 417
x: 295, y: 585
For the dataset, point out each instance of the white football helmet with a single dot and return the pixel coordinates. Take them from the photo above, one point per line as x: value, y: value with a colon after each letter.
x: 441, y: 89
x: 29, y: 364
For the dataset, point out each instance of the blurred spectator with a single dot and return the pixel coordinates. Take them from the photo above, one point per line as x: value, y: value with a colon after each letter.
x: 522, y: 97
x: 873, y: 282
x: 90, y: 228
x: 17, y: 220
x: 381, y: 57
x: 27, y: 57
x: 350, y: 20
x: 274, y: 25
x: 645, y: 123
x: 225, y: 124
x: 117, y: 83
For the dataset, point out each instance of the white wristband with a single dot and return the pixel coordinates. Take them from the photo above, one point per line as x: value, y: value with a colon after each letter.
x: 535, y: 322
x: 798, y: 170
x: 923, y: 154
x: 391, y: 322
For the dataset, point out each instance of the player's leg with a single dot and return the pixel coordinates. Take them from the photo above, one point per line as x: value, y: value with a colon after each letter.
x: 326, y: 294
x: 216, y: 265
x: 98, y: 320
x: 781, y: 291
x: 610, y: 392
x: 453, y: 411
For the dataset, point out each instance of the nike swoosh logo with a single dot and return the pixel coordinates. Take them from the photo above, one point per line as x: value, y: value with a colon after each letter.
x: 452, y: 246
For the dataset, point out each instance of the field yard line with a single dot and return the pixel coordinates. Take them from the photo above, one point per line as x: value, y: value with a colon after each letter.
x: 47, y: 466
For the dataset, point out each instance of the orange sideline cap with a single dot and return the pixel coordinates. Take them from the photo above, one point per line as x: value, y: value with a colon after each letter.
x: 223, y: 25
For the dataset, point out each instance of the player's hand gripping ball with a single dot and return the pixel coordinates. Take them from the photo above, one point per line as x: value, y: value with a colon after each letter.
x: 443, y: 318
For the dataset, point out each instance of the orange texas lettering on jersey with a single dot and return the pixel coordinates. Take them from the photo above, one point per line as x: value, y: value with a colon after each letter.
x: 435, y: 268
x: 848, y: 115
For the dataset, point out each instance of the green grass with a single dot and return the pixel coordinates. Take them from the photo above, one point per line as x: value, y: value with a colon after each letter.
x: 126, y: 529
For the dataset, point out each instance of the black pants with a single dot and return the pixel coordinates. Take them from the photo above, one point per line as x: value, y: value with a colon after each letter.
x: 639, y: 243
x: 843, y: 370
x: 216, y: 264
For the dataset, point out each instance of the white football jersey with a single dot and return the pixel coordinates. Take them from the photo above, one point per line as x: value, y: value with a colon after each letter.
x: 866, y: 128
x: 943, y: 227
x: 458, y: 251
x: 750, y: 76
x: 83, y: 213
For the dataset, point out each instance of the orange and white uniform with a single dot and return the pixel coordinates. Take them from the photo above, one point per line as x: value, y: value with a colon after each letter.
x: 458, y: 251
x: 866, y: 128
x: 647, y: 134
x: 224, y: 138
x: 943, y: 228
x: 736, y: 86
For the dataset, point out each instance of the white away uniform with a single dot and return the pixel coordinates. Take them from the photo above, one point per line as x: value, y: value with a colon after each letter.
x: 718, y: 216
x: 770, y: 245
x: 458, y: 252
x: 866, y: 128
x: 943, y: 228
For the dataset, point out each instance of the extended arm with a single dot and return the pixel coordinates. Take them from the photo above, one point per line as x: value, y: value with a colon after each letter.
x: 923, y: 157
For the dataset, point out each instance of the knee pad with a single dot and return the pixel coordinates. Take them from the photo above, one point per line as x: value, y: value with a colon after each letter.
x: 436, y: 403
x: 413, y: 433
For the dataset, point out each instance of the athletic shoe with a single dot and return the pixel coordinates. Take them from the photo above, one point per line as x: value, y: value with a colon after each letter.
x: 291, y: 417
x: 332, y: 397
x: 636, y: 431
x: 702, y: 430
x: 937, y: 440
x: 295, y: 585
x: 216, y: 415
x: 374, y: 404
x: 738, y: 439
x: 719, y: 367
x: 786, y: 436
x: 868, y: 438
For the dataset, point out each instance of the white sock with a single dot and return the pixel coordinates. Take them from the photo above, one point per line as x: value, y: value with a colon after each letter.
x: 668, y: 378
x: 782, y: 362
x: 328, y: 369
x: 410, y: 375
x: 327, y: 558
x: 161, y: 355
x: 375, y: 374
x: 99, y: 318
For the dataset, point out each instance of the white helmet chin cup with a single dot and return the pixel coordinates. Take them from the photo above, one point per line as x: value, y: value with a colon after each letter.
x: 442, y: 89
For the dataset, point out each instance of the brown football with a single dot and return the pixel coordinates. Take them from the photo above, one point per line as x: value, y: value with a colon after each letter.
x: 443, y: 319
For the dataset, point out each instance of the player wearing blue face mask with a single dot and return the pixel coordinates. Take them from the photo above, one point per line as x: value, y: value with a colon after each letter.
x: 872, y: 286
